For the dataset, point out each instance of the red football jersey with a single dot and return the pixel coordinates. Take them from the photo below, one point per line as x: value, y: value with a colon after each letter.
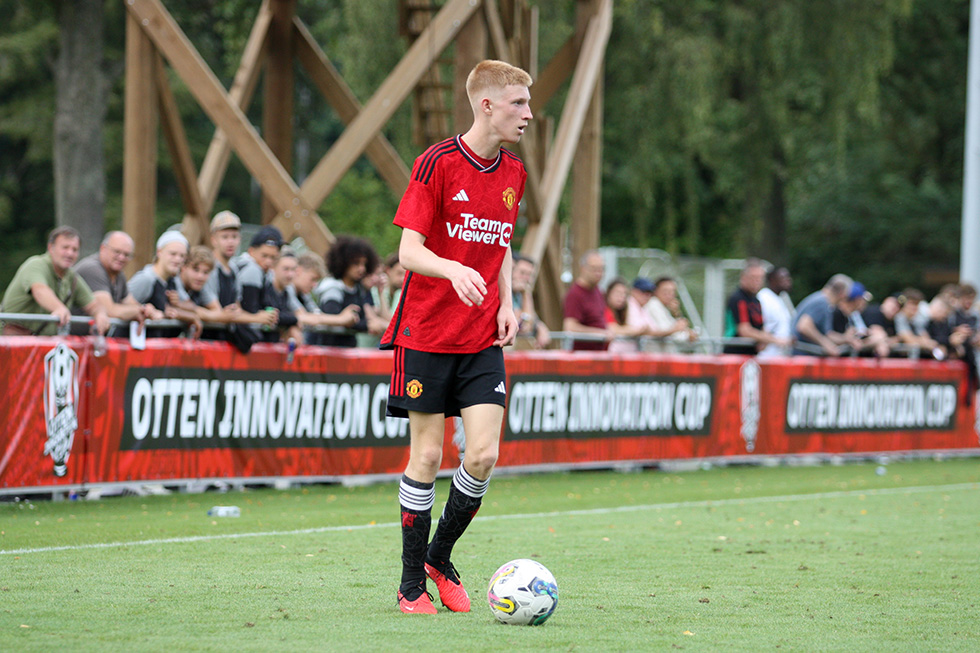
x: 465, y: 207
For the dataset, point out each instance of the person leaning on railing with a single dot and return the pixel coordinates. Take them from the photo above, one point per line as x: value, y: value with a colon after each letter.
x: 617, y: 318
x: 156, y: 284
x: 670, y: 329
x: 310, y: 270
x: 584, y: 308
x: 46, y: 285
x: 103, y: 272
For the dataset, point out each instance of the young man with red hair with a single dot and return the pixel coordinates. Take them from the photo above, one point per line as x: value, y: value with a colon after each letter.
x: 453, y: 318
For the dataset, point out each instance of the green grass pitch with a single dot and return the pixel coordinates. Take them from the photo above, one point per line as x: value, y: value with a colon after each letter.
x: 728, y: 559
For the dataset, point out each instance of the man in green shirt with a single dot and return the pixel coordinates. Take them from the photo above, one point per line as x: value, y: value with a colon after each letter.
x: 46, y: 284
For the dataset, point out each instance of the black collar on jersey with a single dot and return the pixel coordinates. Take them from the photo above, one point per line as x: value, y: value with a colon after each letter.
x: 471, y: 157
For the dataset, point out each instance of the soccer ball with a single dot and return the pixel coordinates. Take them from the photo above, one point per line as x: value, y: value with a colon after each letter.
x: 522, y: 593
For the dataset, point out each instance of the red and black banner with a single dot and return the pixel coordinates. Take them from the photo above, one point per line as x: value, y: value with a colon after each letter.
x: 185, y: 410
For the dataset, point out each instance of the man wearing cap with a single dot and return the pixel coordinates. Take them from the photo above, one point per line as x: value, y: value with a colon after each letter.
x: 641, y: 293
x: 46, y: 284
x: 223, y: 283
x: 848, y: 319
x: 103, y: 272
x: 151, y: 284
x: 226, y: 237
x: 253, y: 268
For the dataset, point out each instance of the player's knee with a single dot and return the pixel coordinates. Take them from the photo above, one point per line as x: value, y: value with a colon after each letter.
x: 480, y: 462
x: 428, y: 456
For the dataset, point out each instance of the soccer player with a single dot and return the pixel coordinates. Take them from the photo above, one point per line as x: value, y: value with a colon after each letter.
x: 457, y: 218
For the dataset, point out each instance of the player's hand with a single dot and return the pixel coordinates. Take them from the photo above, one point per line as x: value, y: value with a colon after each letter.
x: 269, y: 317
x: 196, y: 326
x: 506, y: 326
x: 102, y: 323
x: 469, y: 286
x: 350, y: 315
x: 151, y: 312
x: 63, y: 315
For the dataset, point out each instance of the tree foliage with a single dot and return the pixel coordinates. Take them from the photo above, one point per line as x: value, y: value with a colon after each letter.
x: 820, y: 133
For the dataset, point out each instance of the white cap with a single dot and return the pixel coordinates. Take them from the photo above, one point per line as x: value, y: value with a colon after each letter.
x: 171, y: 237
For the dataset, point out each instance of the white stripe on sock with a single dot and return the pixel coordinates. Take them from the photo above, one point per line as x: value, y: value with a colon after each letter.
x: 414, y: 498
x: 468, y: 485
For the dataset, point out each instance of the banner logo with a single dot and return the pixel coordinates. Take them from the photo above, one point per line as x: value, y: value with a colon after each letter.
x: 60, y: 405
x: 609, y: 406
x: 838, y: 407
x: 191, y: 408
x: 749, y: 402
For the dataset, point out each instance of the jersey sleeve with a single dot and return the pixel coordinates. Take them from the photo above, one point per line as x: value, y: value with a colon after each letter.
x: 419, y: 205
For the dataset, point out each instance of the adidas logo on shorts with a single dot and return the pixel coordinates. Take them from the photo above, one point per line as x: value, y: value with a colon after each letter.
x: 500, y: 388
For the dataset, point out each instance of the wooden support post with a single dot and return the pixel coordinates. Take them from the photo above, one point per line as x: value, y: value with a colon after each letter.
x: 296, y: 214
x: 570, y: 127
x: 587, y: 168
x: 532, y: 190
x: 242, y: 89
x: 560, y: 67
x: 140, y: 146
x: 386, y: 100
x: 335, y: 90
x: 471, y: 49
x: 195, y: 226
x: 549, y: 290
x: 277, y: 110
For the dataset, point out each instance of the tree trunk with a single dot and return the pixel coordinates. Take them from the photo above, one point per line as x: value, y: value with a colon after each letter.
x: 773, y: 240
x: 80, y: 110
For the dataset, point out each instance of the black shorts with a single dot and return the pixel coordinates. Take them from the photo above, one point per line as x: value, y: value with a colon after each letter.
x: 445, y: 383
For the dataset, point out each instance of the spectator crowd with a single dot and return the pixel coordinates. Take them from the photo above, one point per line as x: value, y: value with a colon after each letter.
x: 272, y: 293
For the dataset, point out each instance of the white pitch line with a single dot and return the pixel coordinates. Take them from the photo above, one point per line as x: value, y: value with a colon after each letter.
x: 535, y: 515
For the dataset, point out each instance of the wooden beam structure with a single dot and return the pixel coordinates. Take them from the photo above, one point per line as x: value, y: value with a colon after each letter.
x: 503, y: 29
x: 386, y: 100
x: 242, y: 89
x: 140, y: 145
x: 336, y: 92
x: 280, y: 82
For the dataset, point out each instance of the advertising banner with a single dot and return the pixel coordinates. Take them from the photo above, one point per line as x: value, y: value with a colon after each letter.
x: 185, y: 410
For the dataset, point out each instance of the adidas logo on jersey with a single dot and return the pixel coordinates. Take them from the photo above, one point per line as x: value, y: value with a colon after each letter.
x: 461, y: 196
x: 501, y: 388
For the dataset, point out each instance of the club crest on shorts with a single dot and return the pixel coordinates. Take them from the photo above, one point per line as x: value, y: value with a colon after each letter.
x: 510, y: 196
x: 60, y: 405
x: 414, y: 388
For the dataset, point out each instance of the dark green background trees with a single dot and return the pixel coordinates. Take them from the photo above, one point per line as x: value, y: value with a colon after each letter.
x: 822, y: 134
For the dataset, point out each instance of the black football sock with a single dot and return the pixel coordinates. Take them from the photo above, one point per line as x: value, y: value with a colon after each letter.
x: 465, y: 497
x: 416, y: 501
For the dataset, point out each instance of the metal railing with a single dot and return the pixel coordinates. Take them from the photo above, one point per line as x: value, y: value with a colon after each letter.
x: 562, y: 340
x: 185, y: 328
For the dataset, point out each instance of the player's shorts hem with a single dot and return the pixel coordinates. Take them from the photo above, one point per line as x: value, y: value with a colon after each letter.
x: 435, y: 383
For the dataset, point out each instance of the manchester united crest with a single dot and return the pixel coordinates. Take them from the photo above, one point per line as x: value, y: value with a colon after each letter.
x: 414, y: 388
x: 510, y: 196
x: 60, y: 405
